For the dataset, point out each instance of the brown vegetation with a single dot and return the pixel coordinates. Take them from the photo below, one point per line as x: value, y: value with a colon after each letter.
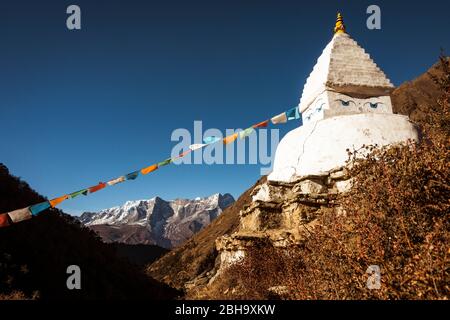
x: 414, y: 98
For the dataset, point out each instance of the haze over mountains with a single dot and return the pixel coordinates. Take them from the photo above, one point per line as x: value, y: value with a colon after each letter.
x: 156, y: 221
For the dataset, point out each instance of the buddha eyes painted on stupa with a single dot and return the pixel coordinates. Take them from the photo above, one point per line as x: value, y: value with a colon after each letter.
x: 320, y: 107
x: 359, y: 104
x: 345, y: 103
x: 373, y: 105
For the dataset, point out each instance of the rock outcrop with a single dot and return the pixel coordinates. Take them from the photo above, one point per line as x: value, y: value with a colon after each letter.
x: 283, y: 214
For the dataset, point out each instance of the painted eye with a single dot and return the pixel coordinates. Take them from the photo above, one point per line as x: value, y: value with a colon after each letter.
x: 321, y: 107
x: 373, y: 105
x: 344, y: 103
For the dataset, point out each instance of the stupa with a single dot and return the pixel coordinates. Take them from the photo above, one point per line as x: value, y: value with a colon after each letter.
x: 345, y: 104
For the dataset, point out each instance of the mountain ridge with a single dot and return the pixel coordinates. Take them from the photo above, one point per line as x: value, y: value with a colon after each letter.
x: 166, y: 223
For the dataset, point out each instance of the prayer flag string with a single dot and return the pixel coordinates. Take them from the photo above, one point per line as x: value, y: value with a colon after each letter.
x: 9, y: 218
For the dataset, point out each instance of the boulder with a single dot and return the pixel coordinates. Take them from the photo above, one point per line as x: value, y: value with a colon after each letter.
x: 309, y: 186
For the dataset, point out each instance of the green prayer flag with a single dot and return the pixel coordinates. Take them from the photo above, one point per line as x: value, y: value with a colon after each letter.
x: 77, y: 193
x: 164, y: 163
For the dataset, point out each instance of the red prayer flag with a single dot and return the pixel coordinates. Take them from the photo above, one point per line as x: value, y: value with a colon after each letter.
x: 100, y: 186
x: 181, y: 155
x: 4, y: 221
x: 261, y: 124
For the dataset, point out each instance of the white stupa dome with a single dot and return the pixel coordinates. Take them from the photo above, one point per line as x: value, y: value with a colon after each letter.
x: 345, y: 104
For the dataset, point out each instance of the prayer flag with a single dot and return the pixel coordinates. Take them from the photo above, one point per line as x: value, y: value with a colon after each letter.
x: 281, y: 118
x: 56, y: 201
x: 20, y: 215
x: 132, y: 175
x: 4, y: 220
x: 181, y: 155
x: 197, y: 146
x: 149, y: 169
x: 164, y: 163
x: 37, y: 208
x: 230, y: 138
x: 261, y: 124
x: 293, y: 114
x: 77, y: 193
x: 246, y: 132
x: 115, y: 181
x: 100, y: 186
x: 209, y: 140
x: 96, y: 188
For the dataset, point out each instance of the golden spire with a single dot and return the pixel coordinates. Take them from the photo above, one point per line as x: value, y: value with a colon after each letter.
x: 339, y: 27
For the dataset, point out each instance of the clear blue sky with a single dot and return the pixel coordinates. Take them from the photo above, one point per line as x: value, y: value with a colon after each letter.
x: 79, y: 107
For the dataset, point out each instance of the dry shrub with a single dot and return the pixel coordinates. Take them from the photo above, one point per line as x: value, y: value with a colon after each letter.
x: 19, y: 295
x: 396, y: 216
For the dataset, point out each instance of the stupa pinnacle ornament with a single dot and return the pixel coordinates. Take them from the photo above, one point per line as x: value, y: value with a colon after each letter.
x: 340, y: 26
x: 345, y: 104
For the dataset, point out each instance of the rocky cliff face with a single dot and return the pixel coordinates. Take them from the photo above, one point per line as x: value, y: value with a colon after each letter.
x: 156, y: 221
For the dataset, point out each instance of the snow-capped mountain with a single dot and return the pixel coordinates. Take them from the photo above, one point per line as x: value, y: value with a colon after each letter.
x: 156, y: 221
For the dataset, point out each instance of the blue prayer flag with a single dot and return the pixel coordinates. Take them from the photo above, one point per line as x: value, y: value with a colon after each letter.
x: 132, y: 176
x: 35, y: 209
x: 211, y: 139
x: 293, y: 114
